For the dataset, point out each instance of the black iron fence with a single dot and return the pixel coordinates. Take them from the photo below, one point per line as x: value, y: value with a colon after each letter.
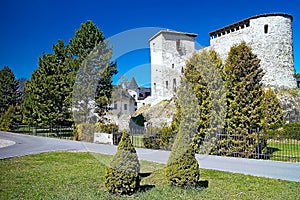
x: 61, y: 132
x: 255, y: 144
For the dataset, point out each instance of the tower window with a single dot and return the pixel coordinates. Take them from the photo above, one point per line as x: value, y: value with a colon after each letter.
x: 174, y: 85
x: 266, y: 28
x: 182, y: 70
x: 167, y: 84
x: 154, y: 87
x: 125, y: 106
x: 172, y: 65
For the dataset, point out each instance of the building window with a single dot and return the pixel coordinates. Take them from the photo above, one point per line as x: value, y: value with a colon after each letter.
x: 266, y: 28
x: 115, y: 106
x: 174, y: 85
x: 125, y: 106
x: 154, y: 85
x: 182, y: 70
x: 167, y: 84
x: 173, y: 66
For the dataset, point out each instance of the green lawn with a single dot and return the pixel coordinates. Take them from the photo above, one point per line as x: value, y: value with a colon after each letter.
x: 70, y: 175
x: 285, y: 150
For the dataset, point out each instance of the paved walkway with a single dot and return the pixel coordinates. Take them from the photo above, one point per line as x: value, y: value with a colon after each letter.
x: 21, y: 145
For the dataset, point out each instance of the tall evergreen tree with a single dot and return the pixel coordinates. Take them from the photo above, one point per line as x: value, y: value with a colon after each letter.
x: 48, y: 94
x: 93, y: 87
x: 243, y: 75
x: 203, y: 72
x: 272, y: 110
x: 86, y: 38
x: 9, y: 93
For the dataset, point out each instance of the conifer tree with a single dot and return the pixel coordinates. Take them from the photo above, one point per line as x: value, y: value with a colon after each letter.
x: 122, y: 176
x: 243, y: 75
x: 203, y: 72
x: 182, y: 167
x: 272, y: 110
x: 48, y: 94
x: 9, y: 93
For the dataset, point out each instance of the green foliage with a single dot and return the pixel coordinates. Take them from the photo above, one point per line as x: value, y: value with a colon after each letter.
x: 94, y: 83
x: 159, y: 138
x: 182, y: 167
x: 122, y: 176
x: 203, y: 73
x: 84, y: 132
x: 86, y: 38
x: 242, y: 75
x: 272, y: 111
x: 287, y: 131
x: 106, y: 128
x: 48, y: 94
x: 297, y: 75
x: 9, y: 93
x: 6, y: 120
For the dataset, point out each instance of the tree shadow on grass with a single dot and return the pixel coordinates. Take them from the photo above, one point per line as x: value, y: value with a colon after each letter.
x: 146, y: 187
x: 202, y: 184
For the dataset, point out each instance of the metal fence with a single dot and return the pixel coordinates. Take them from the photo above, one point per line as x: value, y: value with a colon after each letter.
x: 253, y: 144
x: 61, y: 132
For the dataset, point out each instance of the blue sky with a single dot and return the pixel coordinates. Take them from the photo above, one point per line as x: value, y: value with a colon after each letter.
x: 30, y: 27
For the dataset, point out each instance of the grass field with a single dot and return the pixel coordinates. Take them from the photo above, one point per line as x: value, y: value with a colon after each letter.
x: 285, y: 150
x: 63, y: 175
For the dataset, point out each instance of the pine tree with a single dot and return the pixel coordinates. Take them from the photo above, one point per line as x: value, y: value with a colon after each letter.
x: 122, y: 176
x: 272, y: 111
x: 182, y: 167
x: 93, y: 84
x: 9, y: 93
x: 86, y: 38
x: 203, y: 72
x: 6, y: 119
x: 48, y: 94
x: 243, y: 75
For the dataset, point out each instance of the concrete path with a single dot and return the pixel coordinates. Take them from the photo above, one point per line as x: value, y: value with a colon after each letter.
x: 25, y: 145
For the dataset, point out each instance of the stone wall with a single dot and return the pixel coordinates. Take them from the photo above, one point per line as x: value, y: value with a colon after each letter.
x: 270, y: 38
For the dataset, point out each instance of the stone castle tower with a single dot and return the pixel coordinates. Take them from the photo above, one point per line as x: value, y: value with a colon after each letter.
x: 269, y: 36
x: 169, y: 51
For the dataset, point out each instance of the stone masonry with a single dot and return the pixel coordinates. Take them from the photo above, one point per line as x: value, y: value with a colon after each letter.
x: 269, y: 36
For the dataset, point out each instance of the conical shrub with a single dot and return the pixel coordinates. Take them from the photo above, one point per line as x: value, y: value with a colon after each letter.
x: 182, y: 167
x: 122, y: 176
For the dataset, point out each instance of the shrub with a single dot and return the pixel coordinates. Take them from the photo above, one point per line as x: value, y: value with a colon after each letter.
x: 159, y: 138
x: 182, y: 167
x: 122, y: 176
x: 84, y: 132
x: 107, y: 128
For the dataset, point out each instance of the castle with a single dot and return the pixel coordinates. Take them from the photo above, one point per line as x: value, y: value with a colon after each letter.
x: 269, y: 36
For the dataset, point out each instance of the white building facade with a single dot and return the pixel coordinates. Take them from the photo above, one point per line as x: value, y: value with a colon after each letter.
x: 269, y: 35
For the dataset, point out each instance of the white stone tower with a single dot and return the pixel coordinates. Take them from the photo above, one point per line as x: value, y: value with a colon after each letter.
x: 169, y: 51
x: 270, y: 37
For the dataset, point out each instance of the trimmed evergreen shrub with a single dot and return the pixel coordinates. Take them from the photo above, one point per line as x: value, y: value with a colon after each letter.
x: 182, y: 167
x: 122, y: 176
